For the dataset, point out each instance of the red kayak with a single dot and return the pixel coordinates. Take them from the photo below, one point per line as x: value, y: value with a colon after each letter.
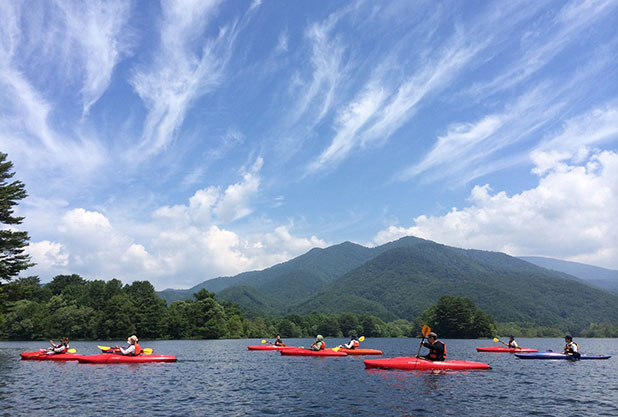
x: 504, y: 349
x: 43, y: 356
x: 361, y: 351
x: 269, y: 347
x: 309, y: 352
x: 114, y: 358
x: 412, y: 363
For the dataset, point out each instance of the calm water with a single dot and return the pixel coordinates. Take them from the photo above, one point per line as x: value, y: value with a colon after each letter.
x: 222, y: 377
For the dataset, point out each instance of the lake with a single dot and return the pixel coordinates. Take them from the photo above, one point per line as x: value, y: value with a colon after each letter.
x: 223, y: 378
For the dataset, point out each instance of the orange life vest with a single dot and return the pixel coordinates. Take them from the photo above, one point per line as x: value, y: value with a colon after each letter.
x: 138, y: 349
x: 433, y: 355
x: 322, y: 345
x: 356, y: 345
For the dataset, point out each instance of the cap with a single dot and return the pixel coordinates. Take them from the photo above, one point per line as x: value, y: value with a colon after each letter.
x: 432, y: 334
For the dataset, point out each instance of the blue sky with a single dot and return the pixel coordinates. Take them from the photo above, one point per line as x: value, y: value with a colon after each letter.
x: 185, y: 140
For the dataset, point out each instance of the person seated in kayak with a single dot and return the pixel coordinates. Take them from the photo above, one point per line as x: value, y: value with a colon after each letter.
x: 512, y: 343
x: 278, y: 341
x: 437, y: 349
x: 134, y: 348
x: 318, y: 344
x: 56, y: 349
x: 352, y: 344
x: 571, y: 348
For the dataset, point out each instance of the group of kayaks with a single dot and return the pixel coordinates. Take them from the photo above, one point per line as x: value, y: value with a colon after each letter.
x: 102, y: 358
x: 415, y: 363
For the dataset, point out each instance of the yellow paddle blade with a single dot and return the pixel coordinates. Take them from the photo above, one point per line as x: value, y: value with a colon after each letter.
x: 336, y: 349
x: 496, y: 339
x: 71, y: 351
x: 361, y: 339
x: 426, y: 330
x: 104, y: 347
x: 147, y: 351
x: 263, y: 341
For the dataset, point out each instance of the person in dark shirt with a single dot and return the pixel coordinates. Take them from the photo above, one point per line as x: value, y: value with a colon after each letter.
x: 437, y: 349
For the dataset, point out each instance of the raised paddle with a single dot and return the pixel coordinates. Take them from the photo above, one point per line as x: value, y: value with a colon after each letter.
x: 360, y: 339
x: 147, y: 351
x: 498, y: 340
x: 425, y: 332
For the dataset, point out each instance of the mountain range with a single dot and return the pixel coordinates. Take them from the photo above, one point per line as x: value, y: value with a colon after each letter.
x: 402, y: 278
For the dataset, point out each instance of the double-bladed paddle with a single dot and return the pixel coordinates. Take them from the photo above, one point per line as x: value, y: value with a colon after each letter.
x: 147, y: 351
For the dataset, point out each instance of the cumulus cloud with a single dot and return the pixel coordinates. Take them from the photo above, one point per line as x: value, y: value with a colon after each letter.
x: 181, y: 246
x: 570, y: 214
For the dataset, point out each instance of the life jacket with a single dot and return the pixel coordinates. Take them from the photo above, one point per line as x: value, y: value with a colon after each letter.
x: 138, y: 349
x: 356, y: 345
x: 512, y: 345
x: 569, y: 348
x: 322, y: 345
x: 435, y: 356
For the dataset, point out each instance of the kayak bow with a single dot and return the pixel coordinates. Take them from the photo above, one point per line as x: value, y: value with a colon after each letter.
x: 412, y: 363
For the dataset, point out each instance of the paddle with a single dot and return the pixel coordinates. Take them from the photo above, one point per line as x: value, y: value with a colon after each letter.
x: 147, y: 351
x: 360, y: 339
x: 425, y: 332
x: 498, y: 340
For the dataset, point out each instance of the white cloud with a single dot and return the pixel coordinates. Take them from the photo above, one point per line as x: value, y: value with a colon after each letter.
x: 48, y: 255
x: 570, y: 214
x: 178, y: 75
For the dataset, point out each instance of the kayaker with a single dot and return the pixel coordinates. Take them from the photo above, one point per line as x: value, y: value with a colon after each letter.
x: 352, y: 344
x: 437, y: 349
x: 278, y: 341
x: 512, y: 343
x: 318, y: 344
x: 571, y: 348
x: 134, y: 348
x: 56, y: 349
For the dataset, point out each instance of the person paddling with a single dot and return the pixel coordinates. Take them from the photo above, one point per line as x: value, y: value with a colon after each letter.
x: 134, y: 348
x: 57, y: 349
x: 437, y: 349
x: 512, y: 343
x: 318, y: 344
x: 571, y: 348
x: 352, y: 344
x: 278, y: 341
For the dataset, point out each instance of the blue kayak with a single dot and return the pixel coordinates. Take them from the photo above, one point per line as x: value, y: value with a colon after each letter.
x: 555, y: 355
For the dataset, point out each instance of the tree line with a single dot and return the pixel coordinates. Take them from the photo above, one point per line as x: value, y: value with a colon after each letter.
x: 98, y: 310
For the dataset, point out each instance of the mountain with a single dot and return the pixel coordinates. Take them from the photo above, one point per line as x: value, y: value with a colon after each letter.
x: 593, y: 275
x: 403, y: 278
x: 297, y: 278
x: 405, y: 281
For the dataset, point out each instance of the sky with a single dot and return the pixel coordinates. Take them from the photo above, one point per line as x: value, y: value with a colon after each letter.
x: 179, y: 141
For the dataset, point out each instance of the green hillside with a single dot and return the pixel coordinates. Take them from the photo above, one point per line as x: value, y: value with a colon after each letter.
x: 295, y: 279
x: 606, y: 279
x: 408, y: 279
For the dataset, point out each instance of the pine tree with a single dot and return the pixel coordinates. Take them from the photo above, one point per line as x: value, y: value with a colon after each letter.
x: 13, y: 260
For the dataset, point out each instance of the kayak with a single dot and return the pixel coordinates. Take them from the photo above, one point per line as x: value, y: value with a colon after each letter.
x: 361, y: 351
x: 309, y: 352
x: 42, y: 356
x: 504, y: 349
x: 412, y: 363
x: 114, y: 358
x: 556, y: 355
x: 269, y: 347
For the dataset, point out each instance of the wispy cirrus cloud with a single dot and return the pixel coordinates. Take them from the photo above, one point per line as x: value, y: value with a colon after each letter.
x: 187, y: 64
x: 381, y: 110
x: 76, y: 46
x: 539, y: 46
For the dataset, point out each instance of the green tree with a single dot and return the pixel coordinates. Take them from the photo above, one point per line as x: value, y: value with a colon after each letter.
x: 458, y: 317
x: 13, y: 260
